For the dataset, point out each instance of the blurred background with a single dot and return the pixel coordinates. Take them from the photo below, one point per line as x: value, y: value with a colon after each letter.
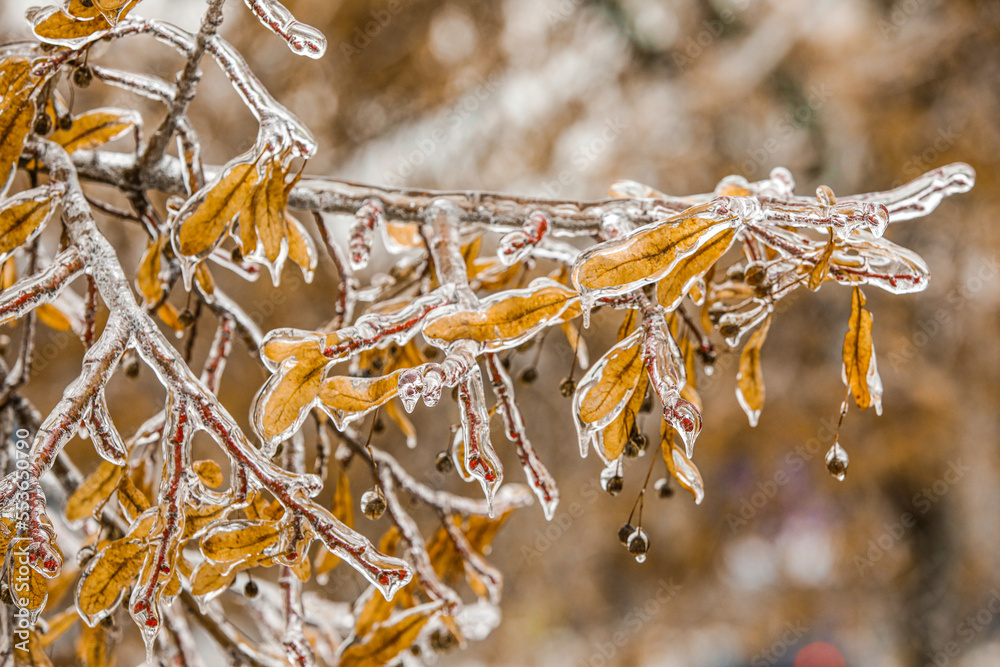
x: 896, y: 565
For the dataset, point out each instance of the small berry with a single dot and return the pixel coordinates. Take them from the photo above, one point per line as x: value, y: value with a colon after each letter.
x: 528, y: 375
x: 43, y: 124
x: 615, y: 485
x: 443, y: 641
x: 625, y: 532
x: 251, y: 589
x: 372, y: 504
x: 755, y: 275
x: 443, y: 463
x: 82, y: 76
x: 186, y: 318
x: 663, y: 488
x: 638, y: 543
x: 65, y: 122
x: 631, y: 450
x: 567, y: 387
x: 640, y: 440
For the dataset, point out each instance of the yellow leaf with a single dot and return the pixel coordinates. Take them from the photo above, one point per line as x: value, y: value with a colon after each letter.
x: 95, y: 128
x: 265, y: 211
x: 94, y: 491
x: 168, y: 315
x: 58, y: 625
x: 203, y: 225
x: 301, y: 248
x: 92, y: 647
x: 34, y: 656
x: 200, y: 517
x: 860, y: 372
x: 676, y: 284
x: 401, y: 236
x: 375, y: 610
x: 238, y: 539
x: 108, y: 574
x: 389, y: 640
x: 131, y: 500
x: 204, y: 278
x: 349, y: 394
x: 209, y: 472
x: 53, y: 318
x: 750, y: 378
x: 30, y: 589
x: 618, y: 432
x: 618, y: 378
x: 291, y: 390
x: 506, y: 317
x: 17, y: 115
x: 23, y: 215
x: 822, y: 267
x: 646, y: 255
x: 343, y: 509
x: 147, y: 276
x: 8, y: 273
x: 78, y: 20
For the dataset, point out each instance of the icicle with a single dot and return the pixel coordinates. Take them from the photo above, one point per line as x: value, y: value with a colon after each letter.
x: 480, y: 459
x: 302, y: 39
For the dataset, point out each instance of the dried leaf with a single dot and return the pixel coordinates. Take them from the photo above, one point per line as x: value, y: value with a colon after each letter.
x: 107, y: 575
x: 290, y: 392
x: 24, y: 215
x: 31, y: 589
x: 621, y: 369
x: 58, y: 625
x: 750, y: 378
x: 349, y: 394
x: 818, y: 273
x: 505, y: 319
x: 209, y: 472
x: 617, y: 433
x: 343, y: 509
x: 646, y: 255
x: 17, y: 114
x: 131, y: 500
x: 688, y: 270
x: 204, y: 219
x: 147, y: 276
x: 301, y: 248
x: 388, y: 640
x: 265, y: 211
x: 236, y: 540
x: 92, y: 647
x: 79, y: 20
x: 29, y: 652
x: 52, y: 317
x: 860, y: 372
x: 95, y: 128
x: 94, y: 491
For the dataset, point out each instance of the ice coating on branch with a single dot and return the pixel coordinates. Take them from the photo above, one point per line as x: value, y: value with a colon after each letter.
x: 515, y: 246
x: 923, y: 194
x: 480, y: 459
x: 302, y: 39
x: 667, y: 375
x: 542, y: 482
x: 369, y: 217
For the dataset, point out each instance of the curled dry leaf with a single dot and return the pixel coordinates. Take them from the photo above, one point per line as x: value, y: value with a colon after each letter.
x: 204, y: 219
x: 79, y: 22
x: 688, y: 270
x: 23, y: 215
x: 94, y: 491
x: 95, y: 128
x: 822, y: 267
x: 648, y: 254
x: 285, y: 399
x: 388, y: 640
x: 506, y: 319
x: 860, y: 371
x: 750, y: 378
x: 106, y: 577
x: 17, y: 113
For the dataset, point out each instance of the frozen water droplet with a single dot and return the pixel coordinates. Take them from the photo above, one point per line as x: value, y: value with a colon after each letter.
x: 837, y: 461
x: 410, y: 388
x: 611, y: 478
x: 641, y: 558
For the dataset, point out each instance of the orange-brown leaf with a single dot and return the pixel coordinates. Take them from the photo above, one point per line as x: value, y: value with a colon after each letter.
x: 108, y: 574
x: 676, y: 284
x: 618, y: 378
x: 750, y: 378
x: 203, y: 226
x: 95, y: 128
x: 23, y: 215
x: 349, y: 394
x: 389, y: 640
x: 239, y: 539
x: 94, y: 491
